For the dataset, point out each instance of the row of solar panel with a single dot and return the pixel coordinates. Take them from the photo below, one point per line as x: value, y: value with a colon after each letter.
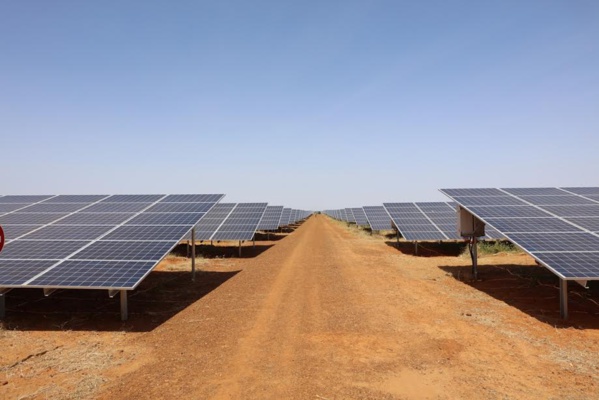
x: 559, y: 227
x: 415, y: 221
x: 92, y: 241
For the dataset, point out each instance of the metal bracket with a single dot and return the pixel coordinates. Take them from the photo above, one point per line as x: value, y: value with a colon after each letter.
x: 583, y: 284
x: 113, y: 292
x: 48, y: 292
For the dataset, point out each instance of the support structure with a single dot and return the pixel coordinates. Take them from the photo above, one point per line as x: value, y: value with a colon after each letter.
x: 124, y: 308
x: 3, y: 292
x: 474, y: 255
x: 193, y: 254
x: 563, y: 298
x: 240, y: 248
x: 416, y: 248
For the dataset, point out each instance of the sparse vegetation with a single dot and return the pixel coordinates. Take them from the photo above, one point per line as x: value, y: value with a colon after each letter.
x: 489, y: 248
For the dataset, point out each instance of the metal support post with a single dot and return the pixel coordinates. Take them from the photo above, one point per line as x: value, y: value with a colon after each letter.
x: 193, y: 254
x: 2, y: 305
x: 474, y: 254
x: 254, y: 242
x: 416, y: 248
x: 240, y: 248
x: 563, y: 298
x: 124, y: 309
x: 268, y: 235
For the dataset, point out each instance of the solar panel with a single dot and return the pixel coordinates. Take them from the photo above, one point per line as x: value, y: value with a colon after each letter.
x: 557, y: 226
x: 242, y: 223
x: 426, y: 220
x: 212, y: 221
x: 350, y: 215
x: 60, y: 244
x: 360, y: 217
x: 412, y: 223
x: 271, y: 218
x: 285, y: 217
x: 94, y: 274
x: 378, y: 218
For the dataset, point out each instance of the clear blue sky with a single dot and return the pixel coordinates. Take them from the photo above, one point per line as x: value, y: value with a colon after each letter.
x: 308, y: 104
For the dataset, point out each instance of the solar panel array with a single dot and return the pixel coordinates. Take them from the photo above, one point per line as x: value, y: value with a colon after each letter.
x: 212, y: 221
x: 360, y: 216
x: 377, y: 217
x: 92, y: 241
x: 285, y: 217
x: 414, y: 223
x: 242, y: 222
x: 350, y: 215
x: 271, y: 219
x: 559, y: 227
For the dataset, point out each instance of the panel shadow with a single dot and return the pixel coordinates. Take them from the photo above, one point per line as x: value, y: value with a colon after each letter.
x: 158, y: 298
x: 534, y: 290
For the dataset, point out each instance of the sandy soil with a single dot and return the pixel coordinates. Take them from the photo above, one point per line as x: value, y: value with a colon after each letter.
x: 327, y: 312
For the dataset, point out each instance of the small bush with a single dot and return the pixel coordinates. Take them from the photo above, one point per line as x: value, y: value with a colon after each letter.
x: 500, y: 246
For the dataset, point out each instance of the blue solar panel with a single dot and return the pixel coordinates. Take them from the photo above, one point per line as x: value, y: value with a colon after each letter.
x: 95, y: 275
x: 558, y: 229
x: 271, y: 218
x: 242, y: 223
x: 377, y: 218
x: 59, y: 232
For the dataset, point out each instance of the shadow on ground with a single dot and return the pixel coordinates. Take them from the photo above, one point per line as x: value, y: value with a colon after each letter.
x: 158, y: 298
x: 223, y: 250
x: 429, y: 249
x: 534, y: 291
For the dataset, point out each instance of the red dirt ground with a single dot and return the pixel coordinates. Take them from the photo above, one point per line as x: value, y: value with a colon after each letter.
x: 327, y: 312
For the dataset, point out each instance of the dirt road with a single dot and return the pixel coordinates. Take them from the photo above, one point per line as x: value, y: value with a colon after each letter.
x: 331, y: 313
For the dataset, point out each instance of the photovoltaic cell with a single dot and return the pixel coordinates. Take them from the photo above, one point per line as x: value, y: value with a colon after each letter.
x: 17, y: 272
x: 14, y: 231
x: 583, y: 190
x: 69, y: 232
x: 22, y: 199
x: 180, y: 208
x: 39, y: 249
x: 590, y: 223
x: 133, y: 198
x: 573, y: 265
x: 489, y: 201
x: 8, y: 207
x: 30, y: 218
x: 556, y: 200
x: 54, y: 208
x: 81, y: 218
x: 192, y: 198
x: 166, y: 219
x: 95, y: 274
x: 117, y: 207
x: 117, y: 250
x: 569, y: 211
x: 148, y: 233
x: 66, y: 198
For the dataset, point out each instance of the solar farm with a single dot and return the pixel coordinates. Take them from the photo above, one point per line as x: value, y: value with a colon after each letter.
x: 163, y: 258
